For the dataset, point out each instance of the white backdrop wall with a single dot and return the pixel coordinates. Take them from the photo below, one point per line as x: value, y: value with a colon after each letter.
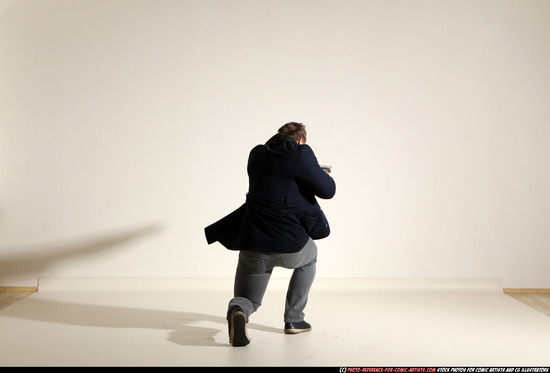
x: 126, y: 126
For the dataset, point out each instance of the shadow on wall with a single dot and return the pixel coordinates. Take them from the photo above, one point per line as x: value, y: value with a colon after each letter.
x: 34, y: 261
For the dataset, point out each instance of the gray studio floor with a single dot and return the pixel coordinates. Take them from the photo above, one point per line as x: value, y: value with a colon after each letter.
x: 356, y: 322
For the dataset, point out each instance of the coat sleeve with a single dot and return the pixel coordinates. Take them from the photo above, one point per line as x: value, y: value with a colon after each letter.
x: 311, y: 175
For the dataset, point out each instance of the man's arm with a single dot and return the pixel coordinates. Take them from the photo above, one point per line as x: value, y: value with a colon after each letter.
x: 310, y: 174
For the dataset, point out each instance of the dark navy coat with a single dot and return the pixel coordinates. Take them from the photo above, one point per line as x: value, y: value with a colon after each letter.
x: 281, y: 211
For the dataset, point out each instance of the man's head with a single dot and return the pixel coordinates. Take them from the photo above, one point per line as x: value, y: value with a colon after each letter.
x: 295, y: 130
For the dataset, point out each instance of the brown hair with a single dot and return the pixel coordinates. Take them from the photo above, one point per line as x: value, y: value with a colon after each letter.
x: 295, y: 130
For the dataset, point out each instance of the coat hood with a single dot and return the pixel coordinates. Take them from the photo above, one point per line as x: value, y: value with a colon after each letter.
x: 281, y: 143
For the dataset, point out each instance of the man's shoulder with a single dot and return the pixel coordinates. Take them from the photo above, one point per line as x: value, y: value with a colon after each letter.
x: 257, y: 147
x: 305, y: 148
x: 305, y: 151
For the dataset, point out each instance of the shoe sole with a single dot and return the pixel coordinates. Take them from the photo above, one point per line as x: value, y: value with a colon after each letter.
x: 297, y: 331
x: 238, y: 336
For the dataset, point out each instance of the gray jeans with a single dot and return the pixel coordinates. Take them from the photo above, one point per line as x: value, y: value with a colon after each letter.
x: 253, y: 273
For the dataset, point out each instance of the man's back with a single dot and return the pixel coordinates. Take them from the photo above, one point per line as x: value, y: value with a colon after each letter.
x: 283, y: 177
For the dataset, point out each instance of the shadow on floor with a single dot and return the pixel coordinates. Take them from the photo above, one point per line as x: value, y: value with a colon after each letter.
x: 182, y: 325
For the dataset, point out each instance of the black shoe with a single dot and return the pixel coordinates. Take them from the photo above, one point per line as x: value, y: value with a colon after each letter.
x: 236, y: 321
x: 297, y: 327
